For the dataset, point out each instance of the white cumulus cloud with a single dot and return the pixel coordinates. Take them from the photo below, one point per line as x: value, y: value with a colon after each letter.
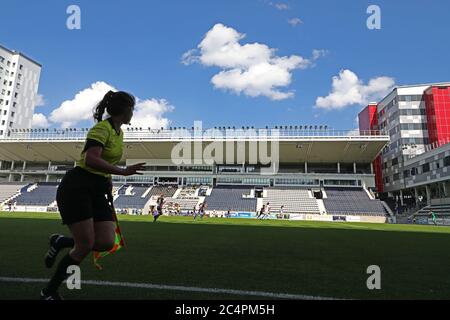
x: 147, y: 113
x: 295, y: 21
x: 348, y: 89
x: 280, y: 6
x: 39, y: 121
x: 253, y: 68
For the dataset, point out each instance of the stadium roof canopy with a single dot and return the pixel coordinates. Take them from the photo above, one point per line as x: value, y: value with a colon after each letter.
x: 324, y: 147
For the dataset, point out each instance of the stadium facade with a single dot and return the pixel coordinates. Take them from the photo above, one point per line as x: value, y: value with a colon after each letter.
x: 414, y: 169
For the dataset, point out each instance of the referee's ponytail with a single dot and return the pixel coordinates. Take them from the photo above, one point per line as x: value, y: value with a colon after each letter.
x: 115, y: 103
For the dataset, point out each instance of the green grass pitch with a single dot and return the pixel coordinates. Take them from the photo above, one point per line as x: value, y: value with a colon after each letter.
x: 295, y: 257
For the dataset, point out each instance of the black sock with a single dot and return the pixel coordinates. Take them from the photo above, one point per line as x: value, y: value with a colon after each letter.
x: 60, y: 274
x: 65, y: 242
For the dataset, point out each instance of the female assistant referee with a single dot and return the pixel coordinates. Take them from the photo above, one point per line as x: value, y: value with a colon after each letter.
x: 81, y: 193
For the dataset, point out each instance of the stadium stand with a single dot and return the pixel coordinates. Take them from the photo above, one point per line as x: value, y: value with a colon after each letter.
x: 167, y: 191
x: 224, y: 198
x: 43, y: 195
x: 134, y: 200
x: 352, y: 201
x: 294, y: 200
x: 9, y: 190
x: 438, y: 209
x: 185, y: 200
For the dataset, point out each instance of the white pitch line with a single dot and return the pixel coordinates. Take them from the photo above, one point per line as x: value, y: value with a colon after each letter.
x: 177, y: 288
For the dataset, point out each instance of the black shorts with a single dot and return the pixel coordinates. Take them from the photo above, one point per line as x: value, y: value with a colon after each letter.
x: 81, y: 195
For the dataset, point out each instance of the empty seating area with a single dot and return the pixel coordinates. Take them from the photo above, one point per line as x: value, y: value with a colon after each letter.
x: 183, y: 204
x: 187, y: 193
x: 294, y: 200
x: 338, y: 201
x: 167, y: 191
x: 133, y: 200
x: 8, y: 190
x: 185, y: 200
x: 43, y: 195
x: 352, y: 201
x: 225, y: 198
x: 440, y: 210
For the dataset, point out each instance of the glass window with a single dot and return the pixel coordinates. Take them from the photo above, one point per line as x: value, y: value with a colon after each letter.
x: 447, y: 161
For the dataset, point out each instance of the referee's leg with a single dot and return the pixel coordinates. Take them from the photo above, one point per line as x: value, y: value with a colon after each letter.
x: 104, y: 235
x: 84, y: 238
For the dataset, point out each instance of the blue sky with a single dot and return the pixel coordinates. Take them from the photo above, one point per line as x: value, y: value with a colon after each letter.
x: 138, y: 46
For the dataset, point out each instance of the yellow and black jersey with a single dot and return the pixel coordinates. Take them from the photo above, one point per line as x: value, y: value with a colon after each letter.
x: 104, y: 135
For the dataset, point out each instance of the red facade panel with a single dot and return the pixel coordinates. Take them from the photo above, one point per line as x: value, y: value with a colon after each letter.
x: 437, y: 104
x: 368, y: 120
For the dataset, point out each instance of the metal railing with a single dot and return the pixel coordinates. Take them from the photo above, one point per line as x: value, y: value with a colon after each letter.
x: 131, y: 134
